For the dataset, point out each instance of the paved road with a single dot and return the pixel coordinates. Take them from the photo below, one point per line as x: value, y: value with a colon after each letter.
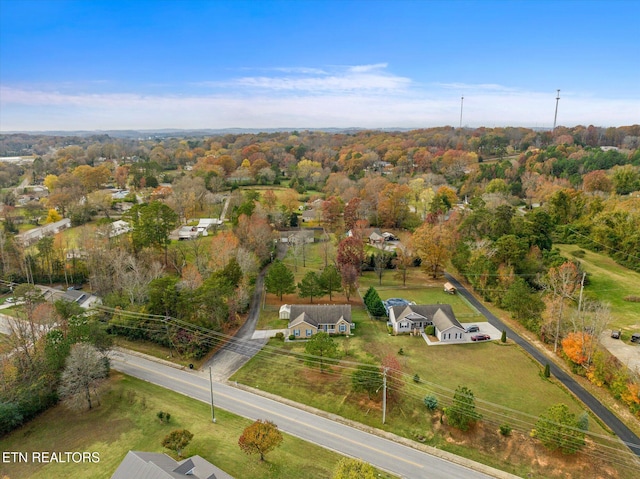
x: 243, y: 346
x: 385, y: 454
x: 610, y: 419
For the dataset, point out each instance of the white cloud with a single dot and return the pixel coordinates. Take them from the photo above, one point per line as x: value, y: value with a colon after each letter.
x: 365, y: 96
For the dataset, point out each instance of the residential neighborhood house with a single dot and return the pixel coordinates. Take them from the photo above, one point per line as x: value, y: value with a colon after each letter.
x: 152, y: 465
x: 31, y: 236
x: 409, y: 318
x: 305, y: 320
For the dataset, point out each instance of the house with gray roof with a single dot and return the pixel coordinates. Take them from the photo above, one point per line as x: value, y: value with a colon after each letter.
x: 415, y: 317
x: 152, y: 465
x: 31, y: 236
x: 305, y: 320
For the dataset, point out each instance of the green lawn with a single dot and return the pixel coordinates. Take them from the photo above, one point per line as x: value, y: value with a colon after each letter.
x: 610, y: 282
x: 499, y: 375
x: 126, y: 420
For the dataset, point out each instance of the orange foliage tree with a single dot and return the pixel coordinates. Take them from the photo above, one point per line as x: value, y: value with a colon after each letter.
x: 260, y: 437
x: 576, y: 345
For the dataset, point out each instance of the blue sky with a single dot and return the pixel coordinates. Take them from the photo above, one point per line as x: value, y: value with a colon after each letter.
x: 68, y: 65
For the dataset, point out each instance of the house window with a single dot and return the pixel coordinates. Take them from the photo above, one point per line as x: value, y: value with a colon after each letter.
x: 309, y: 332
x: 296, y: 332
x: 343, y: 328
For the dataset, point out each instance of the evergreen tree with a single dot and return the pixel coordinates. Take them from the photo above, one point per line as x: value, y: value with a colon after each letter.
x: 462, y: 413
x: 310, y: 286
x: 279, y: 279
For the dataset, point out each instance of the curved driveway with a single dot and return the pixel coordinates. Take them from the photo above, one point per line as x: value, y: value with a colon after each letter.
x: 610, y: 419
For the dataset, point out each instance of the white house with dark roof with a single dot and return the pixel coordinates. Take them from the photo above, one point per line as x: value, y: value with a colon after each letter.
x: 415, y: 317
x: 305, y: 320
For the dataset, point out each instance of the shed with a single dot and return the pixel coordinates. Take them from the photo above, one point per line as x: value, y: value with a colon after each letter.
x: 449, y: 288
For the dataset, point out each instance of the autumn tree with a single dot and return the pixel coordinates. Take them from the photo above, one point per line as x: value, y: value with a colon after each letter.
x: 332, y: 209
x: 462, y: 413
x: 352, y: 213
x: 279, y: 279
x: 577, y: 346
x: 261, y: 437
x: 177, y: 440
x: 349, y: 279
x: 404, y: 259
x: 597, y: 181
x: 84, y: 370
x: 223, y: 247
x: 320, y: 349
x: 353, y: 469
x: 434, y: 246
x: 558, y: 428
x: 562, y: 282
x: 393, y: 205
x: 380, y: 261
x: 350, y: 252
x: 255, y: 234
x: 310, y: 286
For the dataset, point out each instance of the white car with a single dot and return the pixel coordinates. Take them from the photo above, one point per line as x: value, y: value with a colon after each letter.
x: 9, y: 301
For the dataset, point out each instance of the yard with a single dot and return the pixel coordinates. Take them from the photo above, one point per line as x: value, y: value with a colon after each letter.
x: 610, y: 282
x: 126, y: 420
x: 508, y: 385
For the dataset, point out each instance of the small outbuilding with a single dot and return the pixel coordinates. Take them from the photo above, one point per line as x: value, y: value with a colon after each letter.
x: 449, y: 288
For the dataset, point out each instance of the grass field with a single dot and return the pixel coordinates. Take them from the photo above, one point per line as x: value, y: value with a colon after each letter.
x: 126, y: 420
x: 497, y: 374
x: 610, y: 282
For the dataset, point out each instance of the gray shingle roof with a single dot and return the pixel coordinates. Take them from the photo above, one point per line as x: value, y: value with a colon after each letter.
x: 440, y: 314
x: 317, y: 314
x: 152, y: 465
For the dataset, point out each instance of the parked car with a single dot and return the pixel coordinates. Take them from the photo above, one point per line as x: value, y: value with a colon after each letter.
x: 9, y: 301
x: 480, y: 337
x: 635, y: 338
x: 473, y: 329
x: 615, y: 334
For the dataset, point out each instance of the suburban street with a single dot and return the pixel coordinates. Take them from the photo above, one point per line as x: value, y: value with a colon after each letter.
x: 610, y: 419
x: 385, y: 454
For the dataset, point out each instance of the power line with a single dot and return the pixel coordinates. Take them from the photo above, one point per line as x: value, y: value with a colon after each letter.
x: 496, y: 413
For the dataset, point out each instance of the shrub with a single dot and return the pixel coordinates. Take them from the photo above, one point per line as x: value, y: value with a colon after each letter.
x: 579, y: 253
x: 280, y: 335
x: 430, y: 330
x: 503, y: 338
x: 416, y: 378
x: 431, y: 402
x: 291, y: 337
x: 547, y: 370
x: 505, y: 430
x: 401, y: 352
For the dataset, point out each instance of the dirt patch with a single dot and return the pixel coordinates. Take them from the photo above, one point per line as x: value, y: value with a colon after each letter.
x: 519, y: 448
x: 274, y: 300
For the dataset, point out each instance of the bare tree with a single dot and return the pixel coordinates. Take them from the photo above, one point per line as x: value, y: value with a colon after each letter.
x: 84, y: 370
x: 563, y: 283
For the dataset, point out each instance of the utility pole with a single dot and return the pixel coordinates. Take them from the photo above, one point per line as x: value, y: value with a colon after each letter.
x: 555, y: 118
x: 213, y: 415
x: 461, y: 104
x: 580, y: 299
x: 384, y: 394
